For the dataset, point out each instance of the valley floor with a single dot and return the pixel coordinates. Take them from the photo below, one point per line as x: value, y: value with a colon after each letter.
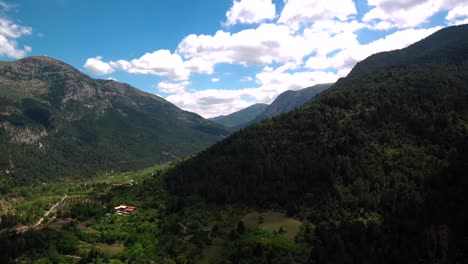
x: 81, y: 225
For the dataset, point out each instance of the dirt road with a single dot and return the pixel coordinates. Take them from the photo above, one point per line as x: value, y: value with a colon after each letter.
x: 48, y: 212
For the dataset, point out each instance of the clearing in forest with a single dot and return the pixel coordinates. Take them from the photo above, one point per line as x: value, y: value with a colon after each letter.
x: 273, y: 221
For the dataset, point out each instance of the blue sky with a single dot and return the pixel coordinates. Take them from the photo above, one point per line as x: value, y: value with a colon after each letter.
x: 215, y: 57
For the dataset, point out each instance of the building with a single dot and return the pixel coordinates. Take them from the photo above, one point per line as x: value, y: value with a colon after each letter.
x: 124, y: 209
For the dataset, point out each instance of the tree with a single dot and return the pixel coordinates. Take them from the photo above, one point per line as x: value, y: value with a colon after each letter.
x: 240, y: 227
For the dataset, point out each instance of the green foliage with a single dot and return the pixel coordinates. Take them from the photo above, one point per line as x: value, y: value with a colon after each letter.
x: 375, y: 162
x: 58, y: 122
x: 291, y: 100
x: 241, y: 118
x: 267, y: 239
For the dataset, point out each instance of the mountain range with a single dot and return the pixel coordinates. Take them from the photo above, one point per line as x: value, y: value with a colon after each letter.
x: 285, y: 102
x: 240, y: 118
x: 56, y: 121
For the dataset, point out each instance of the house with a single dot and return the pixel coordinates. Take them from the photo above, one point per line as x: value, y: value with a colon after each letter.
x: 130, y: 209
x: 124, y: 210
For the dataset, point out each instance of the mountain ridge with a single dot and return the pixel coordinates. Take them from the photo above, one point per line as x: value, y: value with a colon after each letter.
x: 291, y: 99
x: 240, y: 118
x: 285, y: 102
x: 78, y: 125
x: 375, y: 164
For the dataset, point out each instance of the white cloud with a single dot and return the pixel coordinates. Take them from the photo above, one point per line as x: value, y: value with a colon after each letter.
x: 9, y: 29
x: 250, y: 11
x: 296, y: 12
x: 323, y: 34
x: 263, y: 45
x: 173, y: 87
x: 214, y: 102
x: 460, y: 22
x: 458, y: 12
x: 10, y: 48
x: 273, y: 81
x: 410, y: 13
x: 161, y: 62
x: 97, y: 66
x: 9, y: 32
x: 353, y: 52
x: 381, y: 25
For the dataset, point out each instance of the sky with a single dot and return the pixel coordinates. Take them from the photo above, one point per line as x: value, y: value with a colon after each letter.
x: 215, y: 57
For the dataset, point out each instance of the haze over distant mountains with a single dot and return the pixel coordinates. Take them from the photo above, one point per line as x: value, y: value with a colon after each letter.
x: 56, y: 121
x: 285, y: 102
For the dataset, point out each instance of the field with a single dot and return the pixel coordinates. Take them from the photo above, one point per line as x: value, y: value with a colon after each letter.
x: 113, y: 249
x: 272, y: 221
x: 78, y: 200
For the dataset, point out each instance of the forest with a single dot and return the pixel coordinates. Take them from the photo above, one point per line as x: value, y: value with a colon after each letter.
x: 376, y: 163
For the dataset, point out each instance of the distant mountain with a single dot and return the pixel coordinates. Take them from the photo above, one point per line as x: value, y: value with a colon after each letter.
x: 377, y: 165
x: 284, y: 103
x: 56, y: 121
x: 240, y: 118
x: 291, y: 100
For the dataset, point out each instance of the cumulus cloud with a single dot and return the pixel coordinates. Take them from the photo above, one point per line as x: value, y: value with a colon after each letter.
x: 309, y: 42
x: 296, y: 12
x: 331, y: 61
x: 173, y: 87
x: 9, y: 33
x: 11, y: 30
x: 354, y: 52
x: 263, y: 45
x: 250, y: 11
x: 459, y: 14
x: 410, y: 13
x: 161, y: 62
x: 272, y: 82
x: 97, y: 66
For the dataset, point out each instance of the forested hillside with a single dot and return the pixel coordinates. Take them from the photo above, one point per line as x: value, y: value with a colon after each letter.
x: 56, y: 121
x: 377, y: 164
x: 240, y: 118
x: 290, y: 100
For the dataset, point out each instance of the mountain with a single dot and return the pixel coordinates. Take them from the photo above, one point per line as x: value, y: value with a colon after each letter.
x: 56, y: 121
x: 284, y: 103
x: 376, y: 166
x: 290, y: 100
x: 240, y: 118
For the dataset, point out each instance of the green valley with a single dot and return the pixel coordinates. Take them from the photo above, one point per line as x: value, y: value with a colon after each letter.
x: 57, y: 122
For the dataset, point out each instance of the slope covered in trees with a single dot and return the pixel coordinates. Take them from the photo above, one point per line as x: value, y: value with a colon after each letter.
x: 56, y: 121
x: 240, y: 118
x: 291, y: 100
x: 377, y: 164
